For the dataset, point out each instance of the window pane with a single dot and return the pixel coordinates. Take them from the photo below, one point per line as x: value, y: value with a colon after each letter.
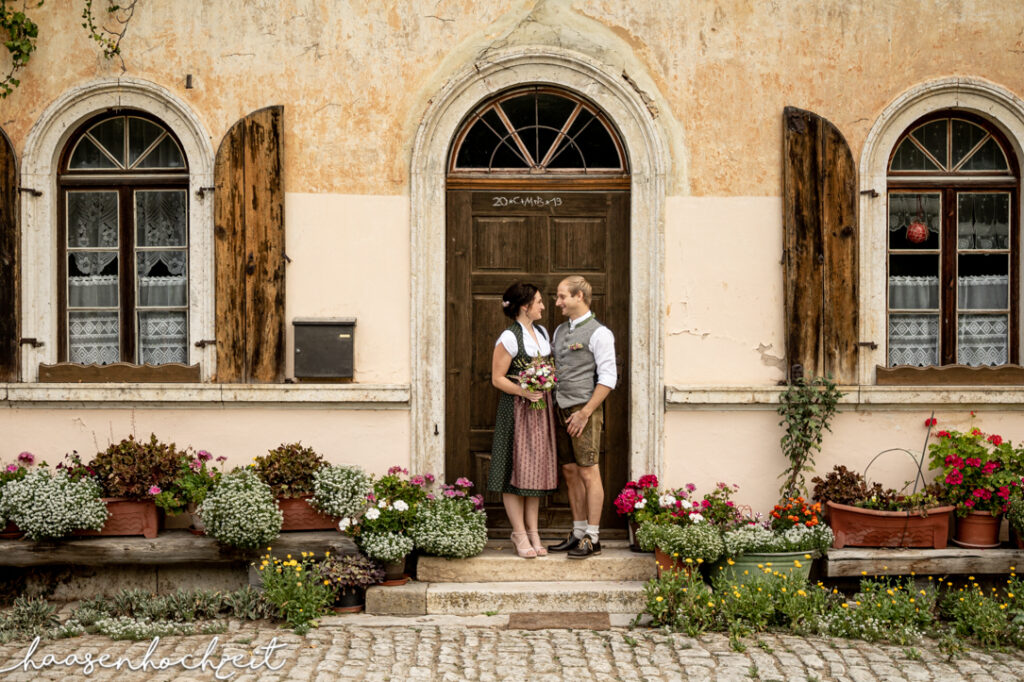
x: 93, y: 337
x: 965, y: 136
x: 507, y: 155
x: 163, y: 278
x: 989, y: 157
x: 92, y: 279
x: 983, y: 340
x: 914, y: 281
x: 160, y: 218
x: 141, y: 134
x: 933, y: 137
x: 983, y: 281
x: 479, y: 142
x: 88, y: 156
x: 92, y: 219
x: 909, y: 158
x: 163, y: 337
x: 110, y: 134
x: 166, y: 155
x: 983, y: 220
x: 913, y: 340
x: 908, y: 212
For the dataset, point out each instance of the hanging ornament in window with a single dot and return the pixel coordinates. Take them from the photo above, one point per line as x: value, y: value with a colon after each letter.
x: 917, y: 231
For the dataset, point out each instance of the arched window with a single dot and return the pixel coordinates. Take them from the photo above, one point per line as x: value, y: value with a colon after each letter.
x: 123, y: 243
x: 537, y: 130
x: 952, y: 244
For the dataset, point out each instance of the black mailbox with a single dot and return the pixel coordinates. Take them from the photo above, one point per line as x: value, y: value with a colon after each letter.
x: 324, y: 347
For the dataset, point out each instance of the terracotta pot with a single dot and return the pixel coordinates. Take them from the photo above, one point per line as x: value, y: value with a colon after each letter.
x: 351, y: 599
x: 1016, y: 541
x: 978, y: 530
x: 857, y: 527
x: 129, y: 516
x: 667, y: 563
x: 299, y: 515
x: 11, y: 532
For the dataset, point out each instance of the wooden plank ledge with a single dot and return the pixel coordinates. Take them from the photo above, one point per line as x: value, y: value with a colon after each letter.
x: 855, y: 561
x: 168, y: 548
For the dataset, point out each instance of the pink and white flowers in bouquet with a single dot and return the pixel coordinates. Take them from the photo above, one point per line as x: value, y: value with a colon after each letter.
x: 538, y: 377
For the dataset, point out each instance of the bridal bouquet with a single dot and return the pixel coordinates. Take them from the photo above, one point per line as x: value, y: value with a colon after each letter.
x: 538, y: 376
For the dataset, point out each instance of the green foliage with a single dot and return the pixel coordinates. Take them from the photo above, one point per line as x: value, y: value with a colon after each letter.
x: 977, y: 471
x: 195, y: 478
x: 240, y: 511
x: 679, y: 600
x: 843, y: 486
x: 296, y: 589
x: 351, y: 570
x: 989, y: 617
x: 289, y: 469
x: 131, y: 468
x: 108, y: 41
x: 806, y: 409
x: 885, y: 609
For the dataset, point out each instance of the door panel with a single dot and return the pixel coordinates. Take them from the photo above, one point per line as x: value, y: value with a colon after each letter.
x: 494, y: 238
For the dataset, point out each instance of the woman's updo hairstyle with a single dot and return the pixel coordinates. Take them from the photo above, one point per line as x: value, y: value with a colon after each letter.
x: 515, y: 297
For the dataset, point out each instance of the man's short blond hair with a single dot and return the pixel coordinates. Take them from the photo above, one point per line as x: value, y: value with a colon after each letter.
x: 575, y: 284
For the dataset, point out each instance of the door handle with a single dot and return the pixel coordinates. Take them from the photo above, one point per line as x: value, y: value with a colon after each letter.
x: 250, y: 267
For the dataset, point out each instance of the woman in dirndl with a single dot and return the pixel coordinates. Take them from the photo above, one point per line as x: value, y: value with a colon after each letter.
x: 523, y: 457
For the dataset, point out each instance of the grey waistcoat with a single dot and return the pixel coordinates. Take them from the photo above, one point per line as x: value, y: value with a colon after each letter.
x: 576, y: 369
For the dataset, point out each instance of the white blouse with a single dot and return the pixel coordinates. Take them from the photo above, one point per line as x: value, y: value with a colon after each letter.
x: 508, y: 340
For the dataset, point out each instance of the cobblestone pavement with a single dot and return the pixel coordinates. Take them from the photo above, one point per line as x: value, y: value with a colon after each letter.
x: 344, y: 649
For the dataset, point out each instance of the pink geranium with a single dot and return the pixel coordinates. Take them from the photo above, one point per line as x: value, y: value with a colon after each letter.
x: 954, y: 478
x: 27, y: 458
x: 154, y: 490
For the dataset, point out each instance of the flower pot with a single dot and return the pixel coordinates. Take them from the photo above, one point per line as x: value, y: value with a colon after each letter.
x: 667, y: 563
x: 197, y: 526
x: 299, y: 515
x: 11, y: 532
x: 978, y: 530
x: 633, y: 545
x: 748, y: 567
x: 857, y: 527
x: 128, y: 517
x: 394, y: 573
x: 1016, y: 541
x: 351, y: 599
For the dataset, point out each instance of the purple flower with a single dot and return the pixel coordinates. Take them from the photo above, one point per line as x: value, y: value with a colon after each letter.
x: 195, y: 465
x: 12, y: 467
x: 417, y: 480
x: 690, y: 487
x: 27, y: 458
x: 204, y: 456
x: 394, y: 470
x: 478, y: 501
x: 222, y: 459
x: 154, y: 490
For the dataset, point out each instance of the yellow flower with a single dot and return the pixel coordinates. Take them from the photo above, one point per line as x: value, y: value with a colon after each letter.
x: 711, y: 603
x: 289, y: 556
x: 889, y: 592
x: 327, y: 553
x: 807, y: 556
x: 759, y: 589
x: 922, y: 593
x: 911, y: 600
x: 298, y: 569
x: 971, y: 578
x: 730, y: 562
x: 783, y: 589
x: 858, y: 603
x: 863, y: 572
x: 797, y: 564
x: 299, y: 585
x: 660, y: 599
x: 746, y: 572
x: 768, y: 563
x: 1010, y: 595
x: 262, y: 567
x: 1002, y: 606
x: 801, y: 593
x: 700, y: 561
x: 268, y: 549
x: 845, y: 605
x: 327, y: 582
x: 675, y: 554
x: 689, y: 560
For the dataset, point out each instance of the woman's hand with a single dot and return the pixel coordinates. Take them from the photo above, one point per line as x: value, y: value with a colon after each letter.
x: 532, y: 396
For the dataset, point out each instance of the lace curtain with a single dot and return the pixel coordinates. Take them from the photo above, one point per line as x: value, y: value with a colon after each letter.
x: 163, y: 337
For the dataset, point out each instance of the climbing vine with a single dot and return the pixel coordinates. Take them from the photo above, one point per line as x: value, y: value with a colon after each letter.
x: 19, y: 33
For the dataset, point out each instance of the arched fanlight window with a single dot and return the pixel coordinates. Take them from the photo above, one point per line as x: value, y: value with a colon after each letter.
x: 537, y: 130
x: 952, y: 244
x: 123, y: 243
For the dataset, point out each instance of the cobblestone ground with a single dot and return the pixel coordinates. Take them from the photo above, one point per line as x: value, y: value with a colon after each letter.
x: 340, y: 651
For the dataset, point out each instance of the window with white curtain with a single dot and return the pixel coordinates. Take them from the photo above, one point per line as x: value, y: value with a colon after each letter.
x: 123, y: 244
x: 952, y: 244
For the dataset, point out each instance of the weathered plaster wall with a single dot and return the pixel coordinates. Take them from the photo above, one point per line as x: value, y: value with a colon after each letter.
x: 374, y: 439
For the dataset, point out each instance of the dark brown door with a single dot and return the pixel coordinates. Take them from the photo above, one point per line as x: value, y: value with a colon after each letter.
x: 497, y: 237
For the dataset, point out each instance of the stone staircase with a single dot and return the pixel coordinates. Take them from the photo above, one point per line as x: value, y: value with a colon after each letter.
x: 499, y: 582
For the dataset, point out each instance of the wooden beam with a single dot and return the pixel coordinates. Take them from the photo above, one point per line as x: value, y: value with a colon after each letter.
x: 853, y: 562
x: 168, y: 548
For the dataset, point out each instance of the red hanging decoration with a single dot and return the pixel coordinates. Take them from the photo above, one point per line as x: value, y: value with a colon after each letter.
x: 917, y: 232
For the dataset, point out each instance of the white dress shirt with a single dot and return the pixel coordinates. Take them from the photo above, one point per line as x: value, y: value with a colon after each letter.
x: 532, y: 348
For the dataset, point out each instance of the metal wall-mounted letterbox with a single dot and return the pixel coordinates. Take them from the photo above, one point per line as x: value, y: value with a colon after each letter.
x: 324, y: 348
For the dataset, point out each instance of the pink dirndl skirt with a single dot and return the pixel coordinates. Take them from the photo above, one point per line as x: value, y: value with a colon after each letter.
x: 534, y: 458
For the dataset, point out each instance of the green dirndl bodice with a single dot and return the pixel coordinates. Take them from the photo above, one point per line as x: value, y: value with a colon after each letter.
x: 500, y: 472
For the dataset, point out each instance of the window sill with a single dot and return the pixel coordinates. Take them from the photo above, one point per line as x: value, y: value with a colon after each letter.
x: 152, y: 395
x: 119, y: 372
x: 687, y: 398
x: 950, y: 375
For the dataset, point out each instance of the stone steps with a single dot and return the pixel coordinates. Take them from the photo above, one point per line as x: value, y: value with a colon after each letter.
x: 499, y: 562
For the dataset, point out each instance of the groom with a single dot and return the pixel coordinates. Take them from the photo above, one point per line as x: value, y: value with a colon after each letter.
x: 585, y: 363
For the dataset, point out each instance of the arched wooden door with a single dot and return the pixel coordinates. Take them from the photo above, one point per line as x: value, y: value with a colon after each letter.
x: 538, y: 189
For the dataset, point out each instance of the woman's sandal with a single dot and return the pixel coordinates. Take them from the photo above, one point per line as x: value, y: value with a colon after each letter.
x: 522, y: 545
x: 534, y: 536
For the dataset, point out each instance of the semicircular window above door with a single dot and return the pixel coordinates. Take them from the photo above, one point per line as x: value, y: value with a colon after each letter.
x: 537, y: 130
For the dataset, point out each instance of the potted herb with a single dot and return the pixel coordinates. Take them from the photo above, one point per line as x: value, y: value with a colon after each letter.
x: 453, y: 525
x: 13, y: 472
x: 240, y: 511
x: 349, y: 576
x: 289, y: 470
x: 131, y: 473
x: 756, y: 547
x: 50, y: 505
x: 186, y: 491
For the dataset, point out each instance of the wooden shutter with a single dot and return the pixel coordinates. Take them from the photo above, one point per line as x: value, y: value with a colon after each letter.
x: 10, y: 272
x: 249, y: 229
x: 820, y: 263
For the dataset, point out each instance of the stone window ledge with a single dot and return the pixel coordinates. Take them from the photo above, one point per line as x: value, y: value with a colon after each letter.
x: 855, y: 397
x: 377, y: 396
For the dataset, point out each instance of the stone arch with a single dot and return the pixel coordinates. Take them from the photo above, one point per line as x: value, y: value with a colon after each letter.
x: 39, y: 168
x: 996, y: 104
x: 647, y: 148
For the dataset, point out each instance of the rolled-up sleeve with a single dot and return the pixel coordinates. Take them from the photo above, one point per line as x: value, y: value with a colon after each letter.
x: 602, y: 345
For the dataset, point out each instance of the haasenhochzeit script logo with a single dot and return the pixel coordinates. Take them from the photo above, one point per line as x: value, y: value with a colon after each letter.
x: 89, y: 662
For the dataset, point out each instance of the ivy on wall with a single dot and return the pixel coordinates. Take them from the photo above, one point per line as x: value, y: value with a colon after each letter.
x: 19, y: 33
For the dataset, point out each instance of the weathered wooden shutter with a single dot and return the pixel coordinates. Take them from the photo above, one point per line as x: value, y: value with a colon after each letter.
x: 820, y: 263
x: 10, y: 271
x: 249, y: 228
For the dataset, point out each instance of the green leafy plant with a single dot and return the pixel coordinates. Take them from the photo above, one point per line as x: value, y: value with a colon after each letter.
x: 241, y: 511
x: 806, y: 409
x: 195, y: 478
x: 679, y: 600
x: 341, y: 490
x: 121, y: 12
x: 21, y: 34
x: 132, y: 468
x: 889, y: 609
x: 289, y: 469
x: 453, y: 525
x: 49, y: 505
x: 299, y: 593
x: 843, y: 486
x: 350, y: 570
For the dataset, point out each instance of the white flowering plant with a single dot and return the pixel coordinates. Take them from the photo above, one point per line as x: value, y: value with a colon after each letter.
x: 241, y: 511
x: 453, y: 524
x: 757, y: 538
x: 385, y: 547
x: 341, y: 490
x: 390, y: 507
x: 698, y: 540
x: 50, y: 505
